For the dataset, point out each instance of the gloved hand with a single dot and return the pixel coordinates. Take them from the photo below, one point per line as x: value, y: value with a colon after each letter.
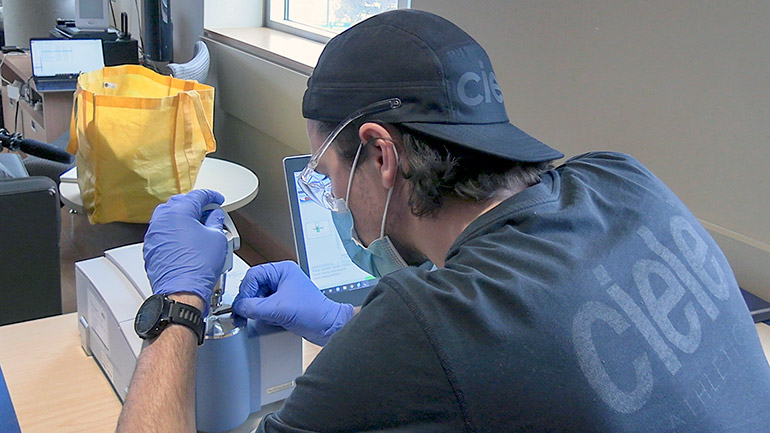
x: 181, y: 254
x: 280, y: 294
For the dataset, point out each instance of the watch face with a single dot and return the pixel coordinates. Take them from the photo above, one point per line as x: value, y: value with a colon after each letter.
x: 148, y: 315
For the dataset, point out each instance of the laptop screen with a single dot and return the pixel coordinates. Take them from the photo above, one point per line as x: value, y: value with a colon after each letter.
x: 319, y: 250
x: 52, y: 57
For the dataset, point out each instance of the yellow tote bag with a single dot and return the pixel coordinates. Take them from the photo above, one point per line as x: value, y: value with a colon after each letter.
x: 139, y: 137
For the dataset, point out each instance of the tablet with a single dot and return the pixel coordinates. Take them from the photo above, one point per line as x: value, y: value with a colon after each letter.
x: 319, y: 250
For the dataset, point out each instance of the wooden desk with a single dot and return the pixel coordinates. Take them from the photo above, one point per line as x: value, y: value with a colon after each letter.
x: 50, y: 120
x: 55, y: 387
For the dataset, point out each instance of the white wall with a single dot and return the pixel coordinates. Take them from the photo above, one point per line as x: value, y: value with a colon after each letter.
x: 682, y: 85
x: 26, y: 19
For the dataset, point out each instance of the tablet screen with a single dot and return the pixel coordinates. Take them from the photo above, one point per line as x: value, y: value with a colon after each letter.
x: 319, y: 250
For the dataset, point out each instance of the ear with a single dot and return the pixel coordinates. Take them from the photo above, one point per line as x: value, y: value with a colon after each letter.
x: 383, y: 151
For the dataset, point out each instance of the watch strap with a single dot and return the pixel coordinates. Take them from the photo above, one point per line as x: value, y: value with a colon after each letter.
x: 187, y: 315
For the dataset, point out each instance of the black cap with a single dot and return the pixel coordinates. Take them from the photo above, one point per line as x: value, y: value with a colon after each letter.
x: 442, y: 76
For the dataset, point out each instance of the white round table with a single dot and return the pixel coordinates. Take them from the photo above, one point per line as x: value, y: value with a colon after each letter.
x: 238, y: 184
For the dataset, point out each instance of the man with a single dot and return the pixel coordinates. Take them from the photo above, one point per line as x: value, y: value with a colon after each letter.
x: 581, y: 298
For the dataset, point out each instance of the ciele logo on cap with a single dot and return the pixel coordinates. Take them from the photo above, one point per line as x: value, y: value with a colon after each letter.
x: 484, y: 90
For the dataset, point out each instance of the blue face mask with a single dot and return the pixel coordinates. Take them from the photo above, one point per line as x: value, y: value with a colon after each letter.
x: 379, y: 258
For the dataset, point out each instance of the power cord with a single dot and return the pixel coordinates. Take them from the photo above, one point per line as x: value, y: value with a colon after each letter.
x: 141, y: 32
x: 112, y: 10
x: 25, y: 94
x: 26, y: 91
x: 16, y: 118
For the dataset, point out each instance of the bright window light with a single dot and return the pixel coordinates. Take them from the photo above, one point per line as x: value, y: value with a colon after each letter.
x: 323, y: 19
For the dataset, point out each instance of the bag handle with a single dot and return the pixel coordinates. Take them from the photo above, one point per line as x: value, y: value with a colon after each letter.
x: 203, y: 121
x: 187, y: 100
x: 72, y: 146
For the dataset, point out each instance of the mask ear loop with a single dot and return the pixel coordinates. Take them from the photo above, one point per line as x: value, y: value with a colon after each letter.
x: 387, y: 201
x: 355, y: 163
x: 352, y: 171
x: 350, y: 182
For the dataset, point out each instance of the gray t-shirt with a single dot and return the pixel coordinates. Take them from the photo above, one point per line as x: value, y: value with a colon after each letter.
x: 592, y: 301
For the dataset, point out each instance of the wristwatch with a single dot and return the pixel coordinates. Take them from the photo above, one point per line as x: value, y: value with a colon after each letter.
x: 158, y: 311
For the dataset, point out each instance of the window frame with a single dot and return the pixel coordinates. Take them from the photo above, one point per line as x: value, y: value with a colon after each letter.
x: 305, y: 31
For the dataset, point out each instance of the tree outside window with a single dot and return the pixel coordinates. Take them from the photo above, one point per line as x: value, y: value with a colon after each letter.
x: 326, y: 17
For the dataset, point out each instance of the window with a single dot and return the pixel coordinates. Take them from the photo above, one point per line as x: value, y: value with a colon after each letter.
x: 321, y: 20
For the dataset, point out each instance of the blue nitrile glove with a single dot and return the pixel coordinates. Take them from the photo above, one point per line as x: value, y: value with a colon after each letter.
x: 182, y: 254
x: 280, y: 294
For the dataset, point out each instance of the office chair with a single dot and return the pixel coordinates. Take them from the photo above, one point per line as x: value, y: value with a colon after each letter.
x: 30, y: 225
x: 45, y: 167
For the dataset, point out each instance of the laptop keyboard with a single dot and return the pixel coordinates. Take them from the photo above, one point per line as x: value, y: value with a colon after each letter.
x: 54, y: 85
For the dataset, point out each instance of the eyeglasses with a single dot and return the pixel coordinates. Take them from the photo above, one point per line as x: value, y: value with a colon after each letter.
x: 319, y: 187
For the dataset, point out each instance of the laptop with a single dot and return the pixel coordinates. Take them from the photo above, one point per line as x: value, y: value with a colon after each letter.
x: 57, y: 63
x: 319, y: 250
